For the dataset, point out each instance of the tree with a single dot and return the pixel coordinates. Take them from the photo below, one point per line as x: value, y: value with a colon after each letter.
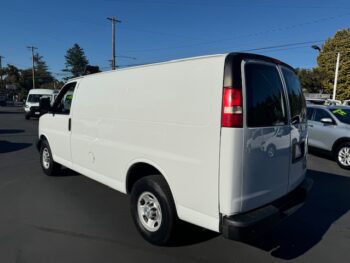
x: 12, y: 74
x: 76, y: 61
x: 43, y: 78
x: 327, y: 60
x: 310, y: 79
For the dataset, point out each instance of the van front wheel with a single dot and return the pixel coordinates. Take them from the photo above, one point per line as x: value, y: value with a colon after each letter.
x: 48, y: 165
x: 153, y: 209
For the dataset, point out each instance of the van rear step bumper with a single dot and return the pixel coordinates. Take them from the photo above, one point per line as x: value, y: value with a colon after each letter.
x: 249, y: 225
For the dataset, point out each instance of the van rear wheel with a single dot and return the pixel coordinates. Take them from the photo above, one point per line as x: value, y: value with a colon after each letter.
x: 153, y: 209
x: 49, y: 166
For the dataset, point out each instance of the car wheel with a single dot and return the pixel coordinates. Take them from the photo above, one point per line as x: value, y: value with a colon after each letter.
x: 343, y: 155
x: 48, y: 165
x: 153, y: 209
x: 27, y: 116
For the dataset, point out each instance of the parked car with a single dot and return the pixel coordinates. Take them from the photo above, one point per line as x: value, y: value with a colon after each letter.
x: 175, y: 137
x: 31, y: 106
x: 346, y: 102
x: 332, y: 102
x: 3, y: 99
x: 316, y: 101
x: 329, y: 129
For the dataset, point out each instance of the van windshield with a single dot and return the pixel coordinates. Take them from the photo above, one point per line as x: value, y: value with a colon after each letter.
x: 34, y: 98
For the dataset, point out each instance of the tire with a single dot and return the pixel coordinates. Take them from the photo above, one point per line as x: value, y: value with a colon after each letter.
x: 342, y: 155
x: 27, y: 116
x: 155, y: 221
x: 48, y: 165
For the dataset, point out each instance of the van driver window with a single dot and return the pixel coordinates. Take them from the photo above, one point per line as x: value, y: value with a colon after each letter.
x: 65, y: 99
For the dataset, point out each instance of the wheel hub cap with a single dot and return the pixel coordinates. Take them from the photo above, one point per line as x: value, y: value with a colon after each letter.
x: 149, y: 211
x: 46, y: 158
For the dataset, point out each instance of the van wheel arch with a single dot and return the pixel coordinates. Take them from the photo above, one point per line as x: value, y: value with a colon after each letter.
x: 140, y: 170
x: 40, y: 141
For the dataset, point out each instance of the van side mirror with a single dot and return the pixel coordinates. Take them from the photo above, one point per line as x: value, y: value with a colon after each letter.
x: 45, y: 105
x: 327, y: 121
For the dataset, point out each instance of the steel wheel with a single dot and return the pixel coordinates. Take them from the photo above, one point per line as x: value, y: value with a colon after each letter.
x: 48, y: 164
x: 46, y: 158
x: 149, y: 211
x: 153, y: 209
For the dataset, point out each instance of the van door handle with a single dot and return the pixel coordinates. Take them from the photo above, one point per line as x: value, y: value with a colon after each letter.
x: 69, y: 124
x: 310, y: 125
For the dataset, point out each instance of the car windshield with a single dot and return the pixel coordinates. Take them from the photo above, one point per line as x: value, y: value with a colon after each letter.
x: 343, y: 115
x: 36, y: 97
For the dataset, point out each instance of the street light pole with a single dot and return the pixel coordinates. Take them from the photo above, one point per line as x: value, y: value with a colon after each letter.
x: 336, y: 71
x: 336, y: 76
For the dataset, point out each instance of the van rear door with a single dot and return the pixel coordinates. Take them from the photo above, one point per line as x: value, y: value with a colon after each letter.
x: 298, y: 127
x: 267, y: 140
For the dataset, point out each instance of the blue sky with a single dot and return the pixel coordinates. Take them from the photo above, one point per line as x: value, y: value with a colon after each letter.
x: 158, y: 30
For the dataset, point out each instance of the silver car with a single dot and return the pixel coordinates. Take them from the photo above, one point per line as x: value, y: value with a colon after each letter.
x: 329, y: 129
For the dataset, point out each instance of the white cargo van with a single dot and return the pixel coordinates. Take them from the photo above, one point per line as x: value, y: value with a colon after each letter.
x: 31, y: 106
x: 186, y: 140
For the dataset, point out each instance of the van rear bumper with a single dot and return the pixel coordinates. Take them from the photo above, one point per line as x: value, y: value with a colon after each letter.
x: 248, y: 225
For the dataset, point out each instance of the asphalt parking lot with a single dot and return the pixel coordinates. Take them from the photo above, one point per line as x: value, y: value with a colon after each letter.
x: 74, y: 219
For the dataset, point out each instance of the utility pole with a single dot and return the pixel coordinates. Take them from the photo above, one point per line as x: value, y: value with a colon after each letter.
x: 336, y: 76
x: 114, y: 21
x: 32, y: 48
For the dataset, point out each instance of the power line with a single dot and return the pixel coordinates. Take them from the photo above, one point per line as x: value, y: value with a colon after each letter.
x: 281, y: 46
x: 266, y: 49
x: 227, y: 3
x: 285, y: 28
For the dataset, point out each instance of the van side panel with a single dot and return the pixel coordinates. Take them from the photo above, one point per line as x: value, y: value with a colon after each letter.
x: 168, y: 115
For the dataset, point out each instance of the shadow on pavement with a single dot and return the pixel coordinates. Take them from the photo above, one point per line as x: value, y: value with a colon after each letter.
x: 10, y: 112
x: 329, y: 200
x: 187, y: 234
x: 321, y: 153
x: 67, y: 172
x: 6, y: 146
x: 11, y: 131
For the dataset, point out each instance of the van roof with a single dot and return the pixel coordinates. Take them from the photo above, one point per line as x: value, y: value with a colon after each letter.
x: 240, y: 54
x: 41, y: 91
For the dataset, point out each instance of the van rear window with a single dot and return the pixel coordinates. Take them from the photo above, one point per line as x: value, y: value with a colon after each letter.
x: 265, y: 99
x: 296, y: 97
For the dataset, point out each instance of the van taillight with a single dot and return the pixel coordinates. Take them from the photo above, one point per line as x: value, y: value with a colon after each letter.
x: 232, y: 111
